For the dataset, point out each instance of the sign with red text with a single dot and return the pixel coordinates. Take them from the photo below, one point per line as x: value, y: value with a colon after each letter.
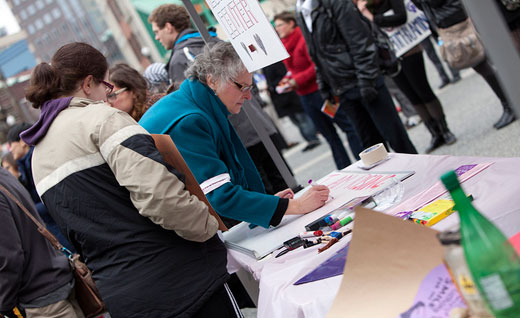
x: 250, y: 32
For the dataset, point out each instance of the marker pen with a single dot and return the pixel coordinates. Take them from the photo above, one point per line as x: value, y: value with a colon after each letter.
x: 342, y: 222
x: 313, y: 184
x: 310, y: 234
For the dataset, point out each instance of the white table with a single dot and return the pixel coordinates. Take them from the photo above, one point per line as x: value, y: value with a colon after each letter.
x: 497, y: 195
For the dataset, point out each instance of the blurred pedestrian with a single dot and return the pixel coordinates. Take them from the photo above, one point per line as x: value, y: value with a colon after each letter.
x: 302, y: 79
x: 345, y: 55
x: 9, y: 164
x: 412, y: 78
x: 288, y: 104
x: 443, y: 14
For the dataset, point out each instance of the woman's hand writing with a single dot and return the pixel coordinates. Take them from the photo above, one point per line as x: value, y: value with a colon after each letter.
x: 312, y: 199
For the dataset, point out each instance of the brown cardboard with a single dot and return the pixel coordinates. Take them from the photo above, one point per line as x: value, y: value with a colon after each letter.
x: 387, y: 260
x: 172, y: 156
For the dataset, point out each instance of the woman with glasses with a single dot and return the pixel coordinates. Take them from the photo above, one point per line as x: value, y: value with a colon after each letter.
x: 218, y: 84
x: 130, y: 91
x: 151, y: 245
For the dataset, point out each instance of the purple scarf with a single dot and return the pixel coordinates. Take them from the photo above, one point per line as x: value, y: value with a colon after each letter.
x: 49, y: 110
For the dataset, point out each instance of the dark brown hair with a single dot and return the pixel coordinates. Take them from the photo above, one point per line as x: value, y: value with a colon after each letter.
x: 174, y: 14
x: 286, y: 17
x: 69, y: 66
x: 122, y: 75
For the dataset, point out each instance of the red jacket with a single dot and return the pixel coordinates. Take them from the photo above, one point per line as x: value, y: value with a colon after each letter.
x: 299, y: 63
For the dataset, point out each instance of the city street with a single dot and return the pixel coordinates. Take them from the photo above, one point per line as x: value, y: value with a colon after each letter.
x: 471, y: 110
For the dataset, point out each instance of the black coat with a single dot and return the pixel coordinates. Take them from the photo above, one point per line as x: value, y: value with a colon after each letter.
x: 286, y: 103
x: 442, y: 13
x: 341, y: 45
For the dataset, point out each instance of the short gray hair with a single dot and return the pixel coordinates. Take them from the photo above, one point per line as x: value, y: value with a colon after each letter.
x: 218, y: 60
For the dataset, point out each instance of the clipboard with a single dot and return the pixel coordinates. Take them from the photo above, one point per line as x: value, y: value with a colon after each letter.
x: 173, y: 157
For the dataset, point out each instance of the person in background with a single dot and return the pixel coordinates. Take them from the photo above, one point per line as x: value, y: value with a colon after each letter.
x: 288, y: 104
x: 218, y: 84
x: 344, y: 52
x: 130, y: 91
x: 9, y: 164
x: 412, y: 78
x: 303, y: 81
x: 23, y: 154
x: 428, y: 47
x: 157, y: 78
x: 151, y: 245
x: 445, y: 13
x: 511, y: 12
x: 34, y: 276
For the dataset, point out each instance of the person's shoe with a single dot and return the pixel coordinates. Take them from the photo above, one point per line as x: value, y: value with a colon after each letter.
x: 437, y: 139
x: 412, y: 121
x: 508, y: 116
x: 292, y: 144
x: 444, y: 83
x: 455, y: 79
x: 447, y: 135
x: 311, y: 145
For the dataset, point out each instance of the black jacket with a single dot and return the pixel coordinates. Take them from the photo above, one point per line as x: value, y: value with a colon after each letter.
x: 341, y: 46
x: 442, y: 13
x: 287, y: 103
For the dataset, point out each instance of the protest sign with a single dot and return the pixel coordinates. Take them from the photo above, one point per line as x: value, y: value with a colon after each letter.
x: 250, y: 32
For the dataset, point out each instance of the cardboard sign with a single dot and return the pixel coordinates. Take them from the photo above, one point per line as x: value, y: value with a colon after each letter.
x: 408, y: 35
x: 250, y: 32
x: 393, y: 269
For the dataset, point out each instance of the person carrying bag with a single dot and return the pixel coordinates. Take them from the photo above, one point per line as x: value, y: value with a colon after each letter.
x: 85, y: 291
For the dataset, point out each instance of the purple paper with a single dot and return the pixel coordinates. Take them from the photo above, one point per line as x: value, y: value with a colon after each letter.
x: 463, y: 169
x: 436, y: 297
x: 333, y: 266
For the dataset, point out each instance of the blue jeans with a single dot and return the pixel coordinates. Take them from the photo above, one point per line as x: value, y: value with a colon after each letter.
x: 312, y: 104
x: 376, y: 119
x: 305, y: 125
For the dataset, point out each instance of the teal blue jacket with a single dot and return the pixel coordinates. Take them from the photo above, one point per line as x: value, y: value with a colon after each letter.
x: 196, y: 120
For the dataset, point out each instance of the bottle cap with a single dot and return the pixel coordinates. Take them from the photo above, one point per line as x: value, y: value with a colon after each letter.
x: 450, y: 180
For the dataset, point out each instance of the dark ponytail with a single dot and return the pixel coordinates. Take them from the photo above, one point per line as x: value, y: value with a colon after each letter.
x: 44, y: 85
x: 70, y: 65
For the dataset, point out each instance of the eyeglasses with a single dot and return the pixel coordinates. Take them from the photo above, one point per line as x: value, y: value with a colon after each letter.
x: 114, y: 95
x: 108, y: 87
x: 244, y: 88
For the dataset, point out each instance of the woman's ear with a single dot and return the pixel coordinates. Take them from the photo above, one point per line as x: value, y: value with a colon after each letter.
x: 87, y: 84
x: 211, y: 82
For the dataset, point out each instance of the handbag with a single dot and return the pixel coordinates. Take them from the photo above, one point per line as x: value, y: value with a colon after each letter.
x: 87, y: 294
x: 461, y: 46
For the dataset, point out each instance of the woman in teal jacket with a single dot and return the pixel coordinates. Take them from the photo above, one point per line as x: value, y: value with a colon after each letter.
x: 195, y: 117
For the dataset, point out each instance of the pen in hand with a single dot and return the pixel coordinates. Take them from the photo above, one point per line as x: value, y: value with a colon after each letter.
x: 314, y: 184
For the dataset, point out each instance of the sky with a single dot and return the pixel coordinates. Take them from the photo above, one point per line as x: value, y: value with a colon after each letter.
x: 7, y: 19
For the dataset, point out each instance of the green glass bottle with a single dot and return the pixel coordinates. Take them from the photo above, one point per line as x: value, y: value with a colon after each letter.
x: 491, y: 258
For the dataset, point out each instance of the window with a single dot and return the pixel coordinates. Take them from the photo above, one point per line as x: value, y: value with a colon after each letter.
x: 39, y: 24
x: 56, y: 13
x: 30, y: 9
x: 48, y: 1
x: 23, y: 14
x: 16, y: 2
x: 47, y: 18
x: 39, y: 4
x: 30, y: 29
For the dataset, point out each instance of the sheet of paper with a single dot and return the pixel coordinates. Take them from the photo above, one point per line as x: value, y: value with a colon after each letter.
x: 344, y: 186
x: 388, y: 259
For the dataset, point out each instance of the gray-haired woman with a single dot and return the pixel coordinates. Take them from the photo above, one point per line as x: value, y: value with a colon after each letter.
x: 218, y: 84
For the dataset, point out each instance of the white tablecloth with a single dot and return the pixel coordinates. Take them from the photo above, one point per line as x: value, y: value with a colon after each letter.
x: 497, y: 195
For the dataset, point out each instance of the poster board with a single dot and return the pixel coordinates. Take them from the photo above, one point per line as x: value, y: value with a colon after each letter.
x: 250, y: 32
x: 413, y: 32
x: 173, y: 157
x: 394, y: 269
x: 344, y: 186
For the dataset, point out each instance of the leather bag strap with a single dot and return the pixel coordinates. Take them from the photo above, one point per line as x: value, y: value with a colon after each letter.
x: 41, y: 228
